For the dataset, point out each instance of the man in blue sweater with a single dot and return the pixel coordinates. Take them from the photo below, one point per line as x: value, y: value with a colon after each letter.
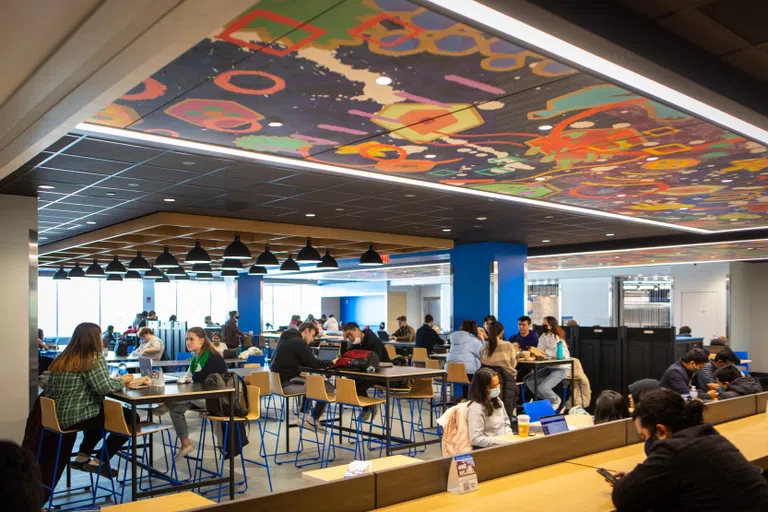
x: 681, y: 375
x: 527, y: 337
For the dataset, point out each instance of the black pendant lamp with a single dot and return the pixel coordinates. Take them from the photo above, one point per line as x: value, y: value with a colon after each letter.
x: 94, y: 270
x: 181, y: 278
x: 308, y: 254
x: 237, y: 250
x: 154, y: 273
x: 61, y: 274
x: 76, y: 271
x: 328, y: 261
x: 232, y: 265
x: 197, y: 255
x: 139, y: 264
x: 204, y: 276
x: 370, y: 258
x: 164, y: 279
x: 201, y: 268
x: 114, y: 277
x: 229, y: 273
x: 256, y: 270
x: 290, y: 265
x: 176, y: 272
x: 166, y: 259
x: 132, y: 274
x: 267, y: 259
x: 115, y: 268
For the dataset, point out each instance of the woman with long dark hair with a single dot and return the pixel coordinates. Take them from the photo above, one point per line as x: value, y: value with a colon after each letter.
x: 550, y: 376
x: 610, y: 406
x: 498, y: 351
x: 78, y: 380
x: 486, y: 415
x: 684, y: 456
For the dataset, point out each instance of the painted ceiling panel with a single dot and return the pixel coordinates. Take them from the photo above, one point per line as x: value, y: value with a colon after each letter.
x: 464, y: 108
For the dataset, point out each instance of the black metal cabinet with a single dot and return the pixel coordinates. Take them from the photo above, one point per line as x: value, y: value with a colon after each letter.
x: 647, y: 353
x: 600, y: 351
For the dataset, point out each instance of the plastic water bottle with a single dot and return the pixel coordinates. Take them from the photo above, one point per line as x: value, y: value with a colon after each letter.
x: 694, y: 393
x: 559, y: 350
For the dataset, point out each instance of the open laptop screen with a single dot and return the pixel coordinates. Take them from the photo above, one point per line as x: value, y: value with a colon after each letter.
x: 327, y: 354
x: 553, y: 425
x: 145, y: 366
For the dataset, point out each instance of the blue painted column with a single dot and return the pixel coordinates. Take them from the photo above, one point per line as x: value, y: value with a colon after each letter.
x: 249, y: 302
x: 472, y: 282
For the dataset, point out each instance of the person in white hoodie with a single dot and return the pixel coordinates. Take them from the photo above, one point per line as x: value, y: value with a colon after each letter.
x: 550, y: 376
x: 331, y: 324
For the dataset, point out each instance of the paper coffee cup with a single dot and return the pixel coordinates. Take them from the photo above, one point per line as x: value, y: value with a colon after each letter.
x: 523, y: 423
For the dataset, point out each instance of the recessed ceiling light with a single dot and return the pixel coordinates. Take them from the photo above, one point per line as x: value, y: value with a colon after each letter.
x: 684, y: 208
x: 621, y: 195
x: 410, y: 195
x: 133, y: 185
x: 275, y: 124
x: 430, y: 156
x: 476, y: 227
x: 616, y: 257
x: 549, y: 217
x: 540, y: 179
x: 482, y: 218
x: 446, y: 230
x: 545, y: 241
x: 46, y: 187
x: 750, y: 248
x: 169, y: 200
x: 609, y: 234
x: 310, y: 215
x: 652, y: 158
x: 383, y: 80
x: 545, y: 127
x: 339, y: 209
x: 187, y: 162
x: 90, y: 222
x: 42, y: 238
x: 724, y: 181
x: 111, y: 194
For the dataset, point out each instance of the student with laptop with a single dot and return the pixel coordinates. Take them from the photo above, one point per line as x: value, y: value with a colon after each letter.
x: 426, y: 336
x: 293, y: 352
x: 355, y: 339
x: 690, y: 466
x: 151, y: 346
x: 486, y: 415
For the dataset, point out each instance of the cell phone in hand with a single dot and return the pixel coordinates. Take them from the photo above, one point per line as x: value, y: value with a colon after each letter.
x: 607, y: 475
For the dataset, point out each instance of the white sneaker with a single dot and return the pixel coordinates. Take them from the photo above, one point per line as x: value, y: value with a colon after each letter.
x: 557, y: 404
x: 183, y: 452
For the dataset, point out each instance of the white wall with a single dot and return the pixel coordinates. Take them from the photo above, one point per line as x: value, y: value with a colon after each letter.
x: 701, y: 278
x: 19, y: 359
x: 749, y: 304
x: 414, y: 305
x: 587, y: 300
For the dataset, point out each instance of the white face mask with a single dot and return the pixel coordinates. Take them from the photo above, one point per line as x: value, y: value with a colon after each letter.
x: 357, y: 341
x: 494, y: 392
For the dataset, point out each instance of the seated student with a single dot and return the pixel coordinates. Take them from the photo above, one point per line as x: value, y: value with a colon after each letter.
x: 685, y: 332
x: 639, y: 387
x: 466, y: 347
x: 610, y: 406
x: 20, y: 479
x: 293, y: 352
x: 110, y: 337
x: 483, y: 333
x: 331, y: 324
x: 218, y: 343
x: 358, y: 339
x: 206, y: 361
x: 486, y: 415
x: 151, y: 346
x: 732, y: 384
x: 526, y: 337
x: 725, y: 357
x: 681, y: 375
x: 426, y: 336
x: 720, y: 341
x: 404, y: 331
x: 40, y: 343
x: 551, y: 376
x: 501, y: 356
x: 382, y: 332
x: 683, y: 455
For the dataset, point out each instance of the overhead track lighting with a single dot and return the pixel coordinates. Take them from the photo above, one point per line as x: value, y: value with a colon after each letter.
x: 290, y: 265
x: 328, y: 261
x: 94, y: 270
x: 166, y: 259
x: 309, y: 254
x: 197, y: 255
x: 267, y: 259
x: 237, y: 250
x: 61, y: 274
x: 115, y: 267
x: 76, y: 271
x: 256, y: 270
x: 370, y: 258
x: 139, y: 264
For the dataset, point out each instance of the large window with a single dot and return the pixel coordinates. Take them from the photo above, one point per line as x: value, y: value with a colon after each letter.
x: 192, y: 301
x: 120, y: 301
x: 281, y: 301
x: 79, y: 301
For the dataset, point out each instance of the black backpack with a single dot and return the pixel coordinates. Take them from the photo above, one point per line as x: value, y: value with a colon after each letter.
x: 220, y: 406
x: 121, y: 349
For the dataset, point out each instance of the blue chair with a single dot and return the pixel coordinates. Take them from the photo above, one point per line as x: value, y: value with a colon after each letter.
x: 538, y: 409
x: 184, y: 356
x: 743, y: 355
x: 256, y: 360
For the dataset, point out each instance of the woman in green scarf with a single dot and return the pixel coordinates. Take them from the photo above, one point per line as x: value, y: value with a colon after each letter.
x: 206, y: 361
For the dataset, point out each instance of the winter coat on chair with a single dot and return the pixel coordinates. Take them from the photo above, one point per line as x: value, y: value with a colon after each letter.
x: 582, y: 392
x: 455, y: 430
x: 509, y: 391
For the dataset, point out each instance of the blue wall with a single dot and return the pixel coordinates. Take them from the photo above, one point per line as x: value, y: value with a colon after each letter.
x: 249, y: 302
x: 367, y: 310
x: 471, y: 282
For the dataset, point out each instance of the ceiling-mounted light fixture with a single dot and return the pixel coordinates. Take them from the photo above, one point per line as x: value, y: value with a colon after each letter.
x: 114, y: 277
x: 229, y: 273
x: 204, y: 276
x: 154, y: 273
x: 197, y: 255
x: 201, y: 268
x: 232, y: 265
x: 94, y: 270
x: 61, y: 274
x: 370, y: 258
x: 115, y: 268
x: 256, y: 270
x: 290, y: 265
x: 328, y: 261
x: 267, y: 259
x: 185, y: 277
x: 309, y: 254
x: 176, y: 271
x: 76, y: 271
x: 132, y: 274
x: 164, y: 279
x: 139, y: 264
x: 166, y: 259
x: 237, y: 250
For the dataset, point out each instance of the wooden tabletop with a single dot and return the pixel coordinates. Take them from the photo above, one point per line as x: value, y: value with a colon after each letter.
x: 384, y: 374
x: 576, y: 487
x: 133, y: 363
x: 566, y: 360
x: 171, y: 391
x: 401, y: 344
x: 337, y: 472
x: 574, y: 422
x: 170, y: 503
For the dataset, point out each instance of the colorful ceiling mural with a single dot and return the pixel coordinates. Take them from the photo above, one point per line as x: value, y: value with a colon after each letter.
x: 701, y: 253
x: 391, y: 87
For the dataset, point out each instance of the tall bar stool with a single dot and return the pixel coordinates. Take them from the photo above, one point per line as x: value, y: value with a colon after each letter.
x: 315, y: 393
x: 254, y: 415
x: 282, y: 413
x: 50, y: 423
x: 260, y: 379
x: 421, y: 390
x: 115, y: 424
x: 346, y: 396
x: 457, y: 375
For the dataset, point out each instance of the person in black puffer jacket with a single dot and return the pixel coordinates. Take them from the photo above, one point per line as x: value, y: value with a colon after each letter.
x: 733, y: 385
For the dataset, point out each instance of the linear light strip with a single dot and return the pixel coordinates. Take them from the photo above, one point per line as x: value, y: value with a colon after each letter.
x: 295, y: 162
x: 646, y: 265
x: 638, y: 249
x: 517, y: 29
x: 380, y: 269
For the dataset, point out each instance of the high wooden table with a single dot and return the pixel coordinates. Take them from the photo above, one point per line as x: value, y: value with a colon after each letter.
x: 545, y: 363
x: 174, y: 503
x: 331, y: 474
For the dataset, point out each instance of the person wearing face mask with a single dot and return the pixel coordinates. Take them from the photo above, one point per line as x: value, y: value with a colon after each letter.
x: 732, y: 384
x: 232, y: 332
x: 681, y: 375
x: 724, y: 358
x: 357, y: 339
x: 683, y: 455
x: 486, y: 415
x: 550, y: 376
